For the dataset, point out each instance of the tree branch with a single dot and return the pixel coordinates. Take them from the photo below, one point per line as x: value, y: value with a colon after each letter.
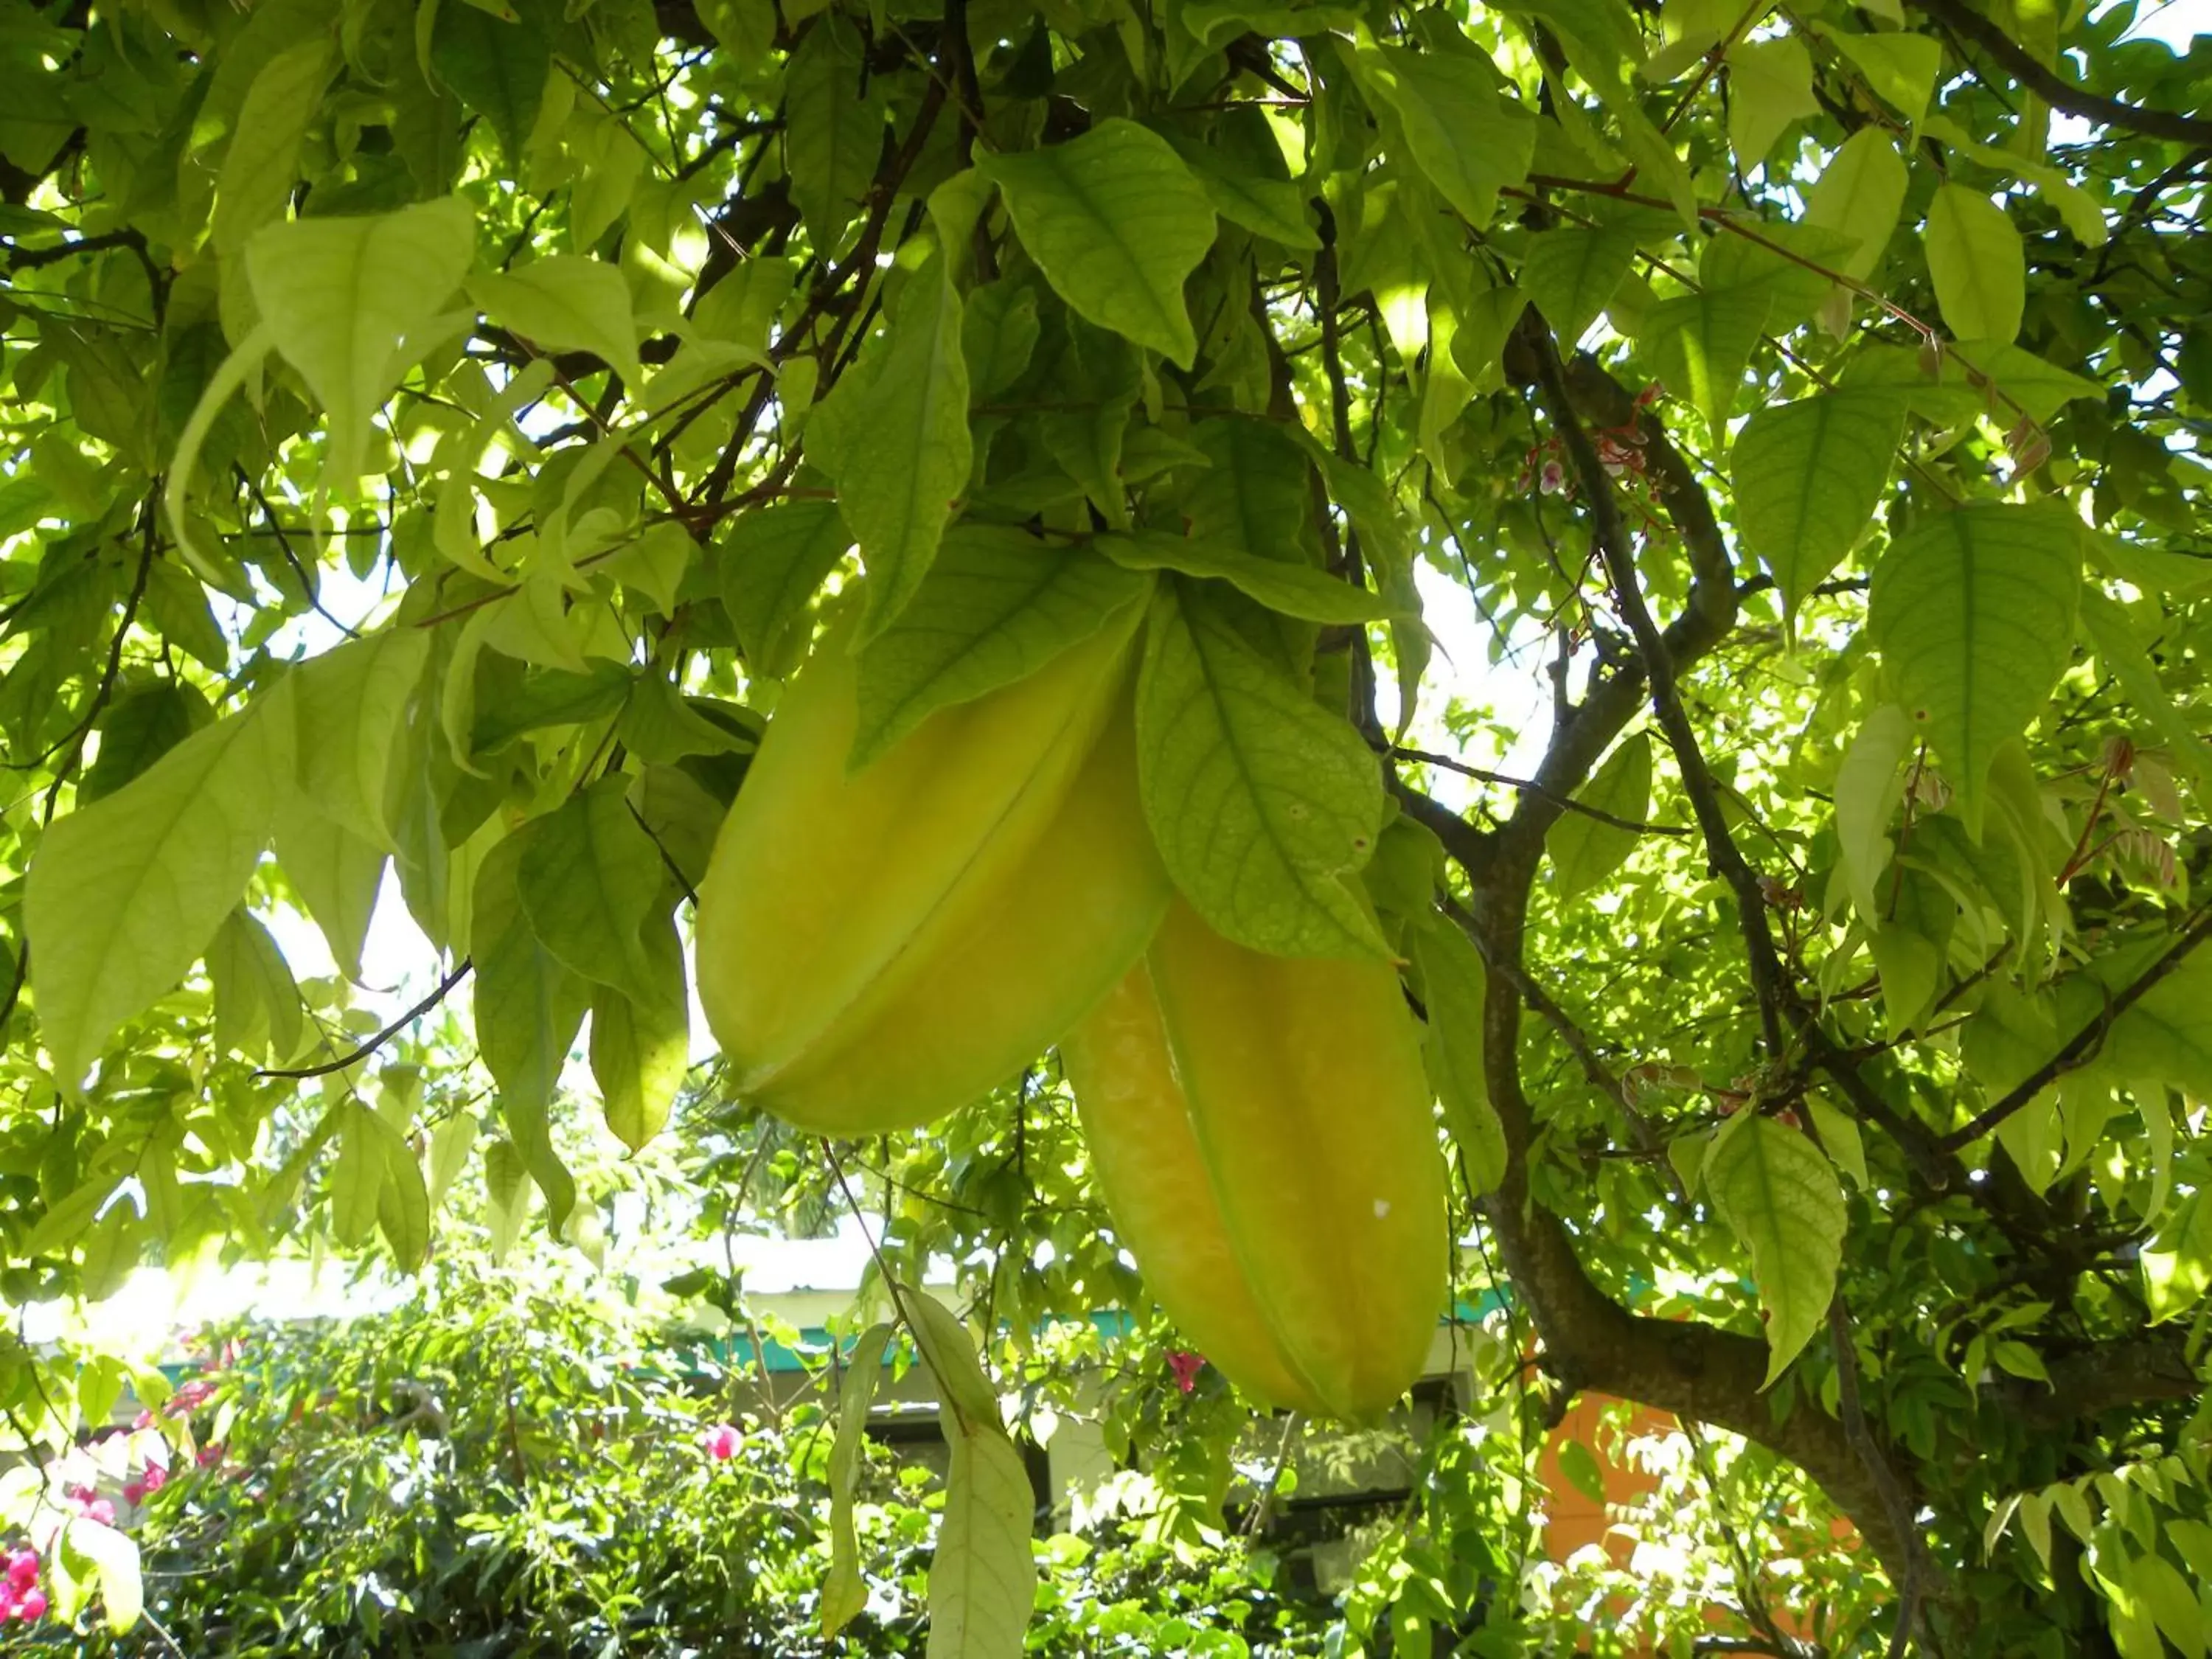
x: 2084, y: 1043
x: 444, y: 989
x: 2054, y: 89
x: 1567, y: 803
x: 1611, y: 534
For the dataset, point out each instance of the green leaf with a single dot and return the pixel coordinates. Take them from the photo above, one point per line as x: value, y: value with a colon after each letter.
x: 2166, y: 1035
x: 497, y: 68
x: 1469, y: 142
x: 2172, y: 1600
x: 565, y: 302
x: 1273, y: 208
x: 998, y: 606
x: 898, y: 482
x: 1979, y: 264
x: 1900, y: 67
x: 1579, y: 1465
x: 771, y: 562
x: 357, y: 1178
x: 2039, y: 388
x: 402, y: 1201
x: 1255, y: 495
x: 178, y: 606
x: 352, y: 707
x: 138, y: 728
x: 1809, y: 477
x: 346, y: 300
x: 257, y: 1003
x: 1262, y: 802
x: 451, y: 1143
x: 1705, y: 341
x: 641, y: 1050
x: 1769, y: 86
x: 67, y: 1219
x: 1973, y: 614
x: 114, y: 1556
x: 337, y: 875
x: 507, y: 1191
x: 550, y: 697
x: 587, y: 880
x: 1295, y: 590
x: 833, y: 127
x: 1586, y: 850
x: 2176, y: 1269
x: 124, y: 895
x: 1860, y: 194
x: 1911, y: 967
x: 528, y: 1007
x: 1867, y: 799
x: 1116, y: 222
x: 1779, y: 1196
x: 263, y: 161
x: 843, y: 1593
x: 998, y: 335
x: 1840, y: 1139
x: 982, y: 1579
x: 680, y: 816
x: 1572, y: 275
x: 2127, y: 658
x: 1454, y: 987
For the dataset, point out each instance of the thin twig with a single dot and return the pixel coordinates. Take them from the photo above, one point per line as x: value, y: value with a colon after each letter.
x: 1568, y: 802
x: 445, y: 988
x: 2084, y: 1045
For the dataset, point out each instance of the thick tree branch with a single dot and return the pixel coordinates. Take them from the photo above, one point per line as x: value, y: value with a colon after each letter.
x: 1695, y: 1370
x: 2140, y: 1370
x: 1610, y: 533
x: 2054, y: 89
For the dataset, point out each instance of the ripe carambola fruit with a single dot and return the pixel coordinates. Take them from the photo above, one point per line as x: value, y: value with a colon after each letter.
x: 878, y: 948
x: 1262, y: 1129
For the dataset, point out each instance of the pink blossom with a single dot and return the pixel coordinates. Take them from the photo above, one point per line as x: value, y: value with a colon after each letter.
x: 188, y: 1397
x: 208, y: 1456
x: 32, y: 1606
x: 1185, y: 1367
x: 722, y: 1442
x: 22, y: 1569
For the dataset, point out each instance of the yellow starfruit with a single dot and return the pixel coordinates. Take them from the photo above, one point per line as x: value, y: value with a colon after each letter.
x: 877, y: 947
x: 1261, y: 1127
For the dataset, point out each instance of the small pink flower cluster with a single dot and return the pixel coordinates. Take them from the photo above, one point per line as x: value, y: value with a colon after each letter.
x: 1186, y: 1366
x: 722, y: 1442
x: 91, y: 1505
x: 19, y: 1595
x: 153, y: 1480
x: 188, y: 1398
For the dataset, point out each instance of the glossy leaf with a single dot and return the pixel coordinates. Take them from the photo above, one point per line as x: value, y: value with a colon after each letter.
x: 1809, y: 477
x: 998, y: 604
x: 1975, y: 256
x: 1779, y: 1196
x: 1115, y: 221
x: 126, y: 893
x: 586, y: 878
x: 897, y: 486
x: 342, y: 298
x: 981, y: 1578
x: 1584, y: 849
x: 1973, y: 613
x: 1263, y: 804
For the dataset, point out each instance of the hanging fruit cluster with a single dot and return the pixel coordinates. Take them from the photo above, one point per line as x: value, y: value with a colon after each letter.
x: 886, y: 931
